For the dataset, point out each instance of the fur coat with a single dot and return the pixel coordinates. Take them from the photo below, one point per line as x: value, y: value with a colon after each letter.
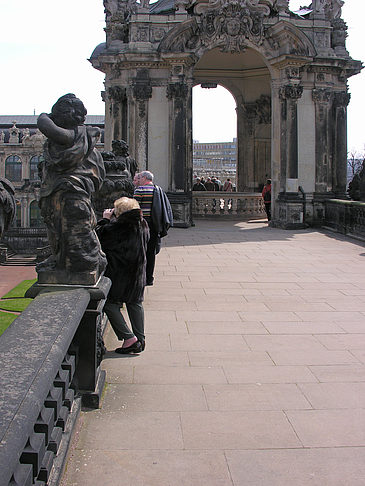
x: 124, y: 241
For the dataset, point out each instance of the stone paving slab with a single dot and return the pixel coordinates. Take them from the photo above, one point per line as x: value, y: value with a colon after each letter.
x: 254, y: 368
x: 299, y: 467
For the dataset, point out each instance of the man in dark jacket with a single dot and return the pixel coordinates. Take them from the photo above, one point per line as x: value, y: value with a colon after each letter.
x: 157, y: 212
x: 123, y: 234
x: 198, y: 186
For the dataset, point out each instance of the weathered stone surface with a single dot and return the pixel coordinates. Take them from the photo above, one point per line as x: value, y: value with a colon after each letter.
x: 72, y: 170
x: 32, y: 350
x: 269, y: 58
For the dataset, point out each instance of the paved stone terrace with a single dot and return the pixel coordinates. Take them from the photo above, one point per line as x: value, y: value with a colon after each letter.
x: 254, y: 368
x: 11, y: 276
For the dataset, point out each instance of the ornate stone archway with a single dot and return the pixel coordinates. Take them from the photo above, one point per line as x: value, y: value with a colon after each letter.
x: 287, y: 72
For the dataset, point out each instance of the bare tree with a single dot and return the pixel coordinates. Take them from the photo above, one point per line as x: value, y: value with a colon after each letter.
x: 354, y: 161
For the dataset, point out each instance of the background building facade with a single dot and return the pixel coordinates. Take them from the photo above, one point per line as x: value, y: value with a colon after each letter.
x: 21, y: 150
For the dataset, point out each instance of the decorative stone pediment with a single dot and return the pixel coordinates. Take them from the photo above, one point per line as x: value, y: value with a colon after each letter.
x: 262, y: 7
x: 226, y: 24
x: 284, y: 38
x: 231, y: 26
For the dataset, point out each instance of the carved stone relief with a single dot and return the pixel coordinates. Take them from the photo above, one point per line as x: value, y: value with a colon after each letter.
x: 339, y: 33
x: 321, y: 95
x: 331, y: 9
x: 142, y: 90
x: 117, y: 16
x: 141, y: 35
x: 293, y: 72
x: 263, y: 109
x: 226, y: 24
x: 116, y: 95
x: 321, y: 39
x: 290, y: 92
x: 177, y: 91
x: 231, y: 26
x: 341, y: 98
x: 263, y: 7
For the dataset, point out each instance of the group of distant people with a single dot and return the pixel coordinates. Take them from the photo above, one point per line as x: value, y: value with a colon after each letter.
x: 130, y: 235
x: 212, y: 184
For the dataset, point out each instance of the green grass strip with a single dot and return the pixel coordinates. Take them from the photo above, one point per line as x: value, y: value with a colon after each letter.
x: 5, y: 320
x: 15, y: 305
x: 20, y: 289
x: 14, y: 301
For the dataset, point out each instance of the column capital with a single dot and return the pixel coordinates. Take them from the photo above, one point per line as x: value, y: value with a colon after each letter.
x: 142, y: 87
x: 177, y: 90
x: 322, y: 95
x: 292, y: 92
x: 116, y: 93
x: 341, y: 98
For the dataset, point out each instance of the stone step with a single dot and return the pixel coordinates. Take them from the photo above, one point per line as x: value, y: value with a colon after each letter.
x: 20, y: 260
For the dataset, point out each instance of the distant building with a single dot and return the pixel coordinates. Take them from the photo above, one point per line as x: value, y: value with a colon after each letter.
x: 215, y: 158
x: 21, y: 150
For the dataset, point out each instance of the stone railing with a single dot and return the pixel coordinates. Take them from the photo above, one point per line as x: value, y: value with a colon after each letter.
x: 223, y: 205
x: 346, y: 217
x: 25, y: 240
x: 50, y: 368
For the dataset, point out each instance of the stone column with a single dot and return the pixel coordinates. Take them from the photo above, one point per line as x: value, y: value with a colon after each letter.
x: 340, y: 102
x: 178, y: 94
x: 289, y: 96
x: 249, y: 124
x: 322, y: 98
x: 116, y: 115
x: 142, y: 92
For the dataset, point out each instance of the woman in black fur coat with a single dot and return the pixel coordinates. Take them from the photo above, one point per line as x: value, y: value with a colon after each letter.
x: 123, y: 234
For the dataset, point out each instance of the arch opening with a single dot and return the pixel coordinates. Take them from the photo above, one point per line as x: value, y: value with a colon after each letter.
x: 247, y: 78
x: 214, y: 134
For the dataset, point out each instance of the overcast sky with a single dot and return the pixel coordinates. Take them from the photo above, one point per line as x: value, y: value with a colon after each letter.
x: 44, y: 47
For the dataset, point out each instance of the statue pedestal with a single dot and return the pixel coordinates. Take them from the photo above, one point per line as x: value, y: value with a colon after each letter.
x: 62, y: 278
x: 289, y: 212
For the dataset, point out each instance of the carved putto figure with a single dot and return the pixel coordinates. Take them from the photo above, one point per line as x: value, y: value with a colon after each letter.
x: 110, y: 8
x: 330, y: 8
x: 121, y: 151
x: 72, y: 170
x: 144, y: 3
x: 26, y: 135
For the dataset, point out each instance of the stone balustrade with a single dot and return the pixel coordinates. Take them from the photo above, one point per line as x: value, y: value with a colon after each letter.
x: 346, y: 217
x: 50, y: 366
x: 228, y: 205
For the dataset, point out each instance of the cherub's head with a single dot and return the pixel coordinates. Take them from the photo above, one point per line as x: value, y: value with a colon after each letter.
x: 120, y: 147
x: 68, y: 111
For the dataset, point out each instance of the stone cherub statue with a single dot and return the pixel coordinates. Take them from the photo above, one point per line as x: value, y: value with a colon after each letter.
x: 72, y: 170
x: 7, y: 205
x: 120, y: 169
x: 330, y: 8
x: 121, y: 151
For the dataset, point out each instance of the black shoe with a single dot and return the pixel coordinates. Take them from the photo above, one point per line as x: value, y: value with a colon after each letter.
x: 133, y: 348
x: 143, y: 345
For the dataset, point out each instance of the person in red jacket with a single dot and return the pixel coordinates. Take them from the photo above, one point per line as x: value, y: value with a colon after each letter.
x: 266, y: 194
